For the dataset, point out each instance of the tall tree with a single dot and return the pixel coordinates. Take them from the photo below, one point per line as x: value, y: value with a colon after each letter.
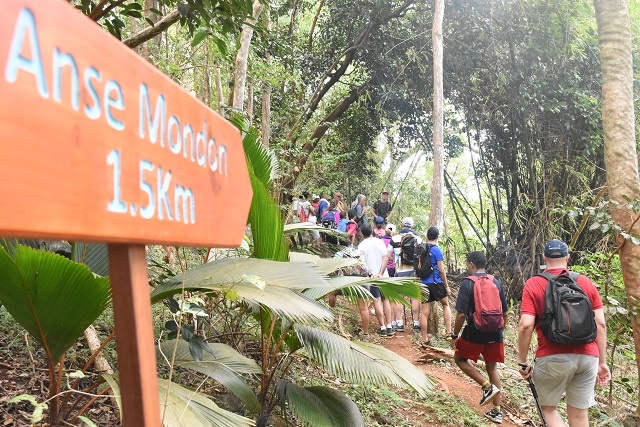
x: 240, y: 68
x: 436, y: 217
x: 621, y: 160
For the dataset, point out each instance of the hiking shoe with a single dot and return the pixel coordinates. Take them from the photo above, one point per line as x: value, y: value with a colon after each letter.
x: 399, y: 328
x: 494, y: 415
x: 365, y: 337
x: 488, y: 393
x: 382, y: 332
x: 416, y: 328
x: 390, y: 332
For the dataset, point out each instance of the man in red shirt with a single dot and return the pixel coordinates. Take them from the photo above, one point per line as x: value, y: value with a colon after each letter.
x: 570, y: 369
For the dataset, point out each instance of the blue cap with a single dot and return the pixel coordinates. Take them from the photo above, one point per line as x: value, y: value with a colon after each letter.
x: 379, y: 220
x: 556, y: 249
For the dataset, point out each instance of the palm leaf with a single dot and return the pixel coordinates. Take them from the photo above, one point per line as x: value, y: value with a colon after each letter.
x: 223, y: 364
x: 326, y: 265
x: 186, y: 408
x: 264, y: 215
x: 393, y: 288
x: 257, y: 282
x: 319, y: 406
x: 53, y: 298
x: 360, y: 361
x: 93, y: 255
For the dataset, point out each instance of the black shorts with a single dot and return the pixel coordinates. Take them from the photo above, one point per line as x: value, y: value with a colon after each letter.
x: 437, y: 291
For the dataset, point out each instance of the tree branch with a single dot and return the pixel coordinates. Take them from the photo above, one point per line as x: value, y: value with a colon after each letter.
x: 150, y: 32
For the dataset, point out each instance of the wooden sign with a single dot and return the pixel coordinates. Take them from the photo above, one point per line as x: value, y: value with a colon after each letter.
x: 98, y: 145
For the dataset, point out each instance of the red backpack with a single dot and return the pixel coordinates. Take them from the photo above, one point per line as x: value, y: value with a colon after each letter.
x: 487, y: 316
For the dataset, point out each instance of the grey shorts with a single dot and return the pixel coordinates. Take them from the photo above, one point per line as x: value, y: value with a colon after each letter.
x: 574, y: 373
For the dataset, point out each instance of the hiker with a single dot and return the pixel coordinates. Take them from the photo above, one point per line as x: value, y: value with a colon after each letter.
x: 383, y: 207
x: 340, y: 204
x: 404, y: 243
x: 475, y: 341
x: 570, y: 369
x: 438, y: 287
x: 304, y: 208
x: 379, y: 231
x: 375, y: 255
x: 352, y: 227
x: 391, y: 264
x: 361, y: 210
x: 323, y: 205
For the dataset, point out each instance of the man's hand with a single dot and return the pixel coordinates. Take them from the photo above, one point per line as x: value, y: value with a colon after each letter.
x: 448, y: 289
x: 525, y: 370
x: 604, y: 374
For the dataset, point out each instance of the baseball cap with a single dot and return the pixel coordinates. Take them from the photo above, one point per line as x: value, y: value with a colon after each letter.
x: 379, y: 220
x: 391, y: 227
x: 385, y: 192
x: 407, y: 221
x: 556, y: 249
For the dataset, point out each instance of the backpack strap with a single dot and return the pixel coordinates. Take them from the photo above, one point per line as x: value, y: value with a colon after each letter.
x: 574, y: 275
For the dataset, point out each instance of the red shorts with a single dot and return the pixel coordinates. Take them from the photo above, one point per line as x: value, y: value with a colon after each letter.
x: 493, y: 352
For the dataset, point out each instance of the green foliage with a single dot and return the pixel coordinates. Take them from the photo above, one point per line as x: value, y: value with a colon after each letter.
x: 38, y: 286
x: 319, y: 406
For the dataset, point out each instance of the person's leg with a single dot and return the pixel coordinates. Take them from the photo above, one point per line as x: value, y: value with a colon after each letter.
x: 398, y: 315
x: 553, y: 417
x: 577, y: 417
x: 415, y: 312
x: 446, y: 314
x: 363, y: 308
x: 425, y: 308
x: 471, y: 371
x: 386, y: 308
x: 377, y: 305
x: 494, y: 377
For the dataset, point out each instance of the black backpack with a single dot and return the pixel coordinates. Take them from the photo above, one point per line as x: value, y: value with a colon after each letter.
x: 568, y: 317
x: 408, y: 248
x: 422, y: 264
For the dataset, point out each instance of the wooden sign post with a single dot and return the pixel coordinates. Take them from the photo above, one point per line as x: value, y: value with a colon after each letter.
x: 98, y: 145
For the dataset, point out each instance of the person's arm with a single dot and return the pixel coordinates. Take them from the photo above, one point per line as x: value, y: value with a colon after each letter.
x: 525, y: 332
x: 375, y: 209
x: 443, y: 276
x: 383, y: 267
x: 604, y: 375
x: 457, y: 326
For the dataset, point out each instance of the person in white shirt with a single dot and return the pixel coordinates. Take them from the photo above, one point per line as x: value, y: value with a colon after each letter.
x: 375, y: 255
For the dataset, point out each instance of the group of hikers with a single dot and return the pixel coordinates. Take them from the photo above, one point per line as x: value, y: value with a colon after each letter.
x: 563, y: 307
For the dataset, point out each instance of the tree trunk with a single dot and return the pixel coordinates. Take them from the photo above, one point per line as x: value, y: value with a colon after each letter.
x: 621, y: 161
x: 219, y: 92
x: 265, y: 123
x: 240, y: 68
x: 250, y: 104
x: 436, y: 216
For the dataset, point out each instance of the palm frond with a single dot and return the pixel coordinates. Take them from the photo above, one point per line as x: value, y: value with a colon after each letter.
x: 186, y: 408
x: 93, y: 255
x: 393, y: 288
x: 47, y: 295
x: 319, y: 406
x: 258, y: 282
x: 223, y: 364
x: 360, y: 361
x: 326, y: 265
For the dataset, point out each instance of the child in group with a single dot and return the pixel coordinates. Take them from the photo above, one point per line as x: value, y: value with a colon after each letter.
x: 342, y: 224
x: 352, y: 227
x: 379, y: 230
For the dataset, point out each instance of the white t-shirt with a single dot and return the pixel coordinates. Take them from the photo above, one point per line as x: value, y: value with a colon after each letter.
x: 373, y: 250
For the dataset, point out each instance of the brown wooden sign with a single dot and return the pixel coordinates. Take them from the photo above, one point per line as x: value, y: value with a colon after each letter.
x: 96, y: 144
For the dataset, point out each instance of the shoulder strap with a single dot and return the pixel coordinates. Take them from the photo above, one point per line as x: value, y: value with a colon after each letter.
x: 546, y: 275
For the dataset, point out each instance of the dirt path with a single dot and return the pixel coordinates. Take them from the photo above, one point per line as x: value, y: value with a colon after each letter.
x: 450, y: 380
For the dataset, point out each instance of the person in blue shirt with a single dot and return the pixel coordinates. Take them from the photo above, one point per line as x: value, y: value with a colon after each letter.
x: 342, y: 225
x: 438, y: 287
